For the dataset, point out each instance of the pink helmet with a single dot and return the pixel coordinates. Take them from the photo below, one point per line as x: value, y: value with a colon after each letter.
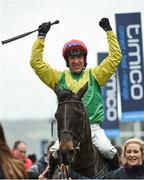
x: 74, y: 47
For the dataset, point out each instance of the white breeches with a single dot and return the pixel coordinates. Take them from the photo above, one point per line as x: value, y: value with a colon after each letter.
x: 101, y: 141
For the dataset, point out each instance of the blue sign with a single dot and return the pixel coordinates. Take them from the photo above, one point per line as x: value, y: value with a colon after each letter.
x: 109, y: 93
x: 131, y: 69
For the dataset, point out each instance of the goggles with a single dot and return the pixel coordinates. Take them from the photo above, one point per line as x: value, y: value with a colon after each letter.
x: 75, y: 52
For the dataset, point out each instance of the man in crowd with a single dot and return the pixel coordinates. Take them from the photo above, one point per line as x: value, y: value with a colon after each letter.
x: 19, y: 152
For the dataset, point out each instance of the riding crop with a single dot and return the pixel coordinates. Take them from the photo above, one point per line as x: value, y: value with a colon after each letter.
x: 25, y: 34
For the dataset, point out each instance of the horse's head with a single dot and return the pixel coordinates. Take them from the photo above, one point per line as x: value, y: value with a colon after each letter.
x: 71, y: 117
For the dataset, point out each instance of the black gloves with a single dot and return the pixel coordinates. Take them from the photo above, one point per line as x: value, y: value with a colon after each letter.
x: 104, y: 23
x: 44, y: 28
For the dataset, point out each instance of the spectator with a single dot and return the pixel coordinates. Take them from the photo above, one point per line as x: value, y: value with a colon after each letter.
x: 33, y: 158
x: 133, y: 154
x: 9, y: 168
x: 19, y: 152
x: 41, y: 164
x: 119, y: 151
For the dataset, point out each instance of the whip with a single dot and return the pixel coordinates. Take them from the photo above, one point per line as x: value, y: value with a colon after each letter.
x: 25, y: 34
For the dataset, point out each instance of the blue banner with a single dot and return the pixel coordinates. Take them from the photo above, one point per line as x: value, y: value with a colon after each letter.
x: 131, y: 69
x: 109, y: 93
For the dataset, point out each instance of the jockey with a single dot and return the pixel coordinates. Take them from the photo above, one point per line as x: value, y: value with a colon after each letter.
x: 77, y: 75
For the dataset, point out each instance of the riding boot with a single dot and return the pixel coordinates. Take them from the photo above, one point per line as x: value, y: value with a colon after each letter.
x: 51, y: 167
x: 113, y: 163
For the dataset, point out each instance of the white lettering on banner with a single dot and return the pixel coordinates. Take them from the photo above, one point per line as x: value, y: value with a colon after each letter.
x: 111, y: 99
x: 136, y: 88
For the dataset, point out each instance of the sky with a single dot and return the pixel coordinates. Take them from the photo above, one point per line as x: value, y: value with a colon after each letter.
x: 23, y: 95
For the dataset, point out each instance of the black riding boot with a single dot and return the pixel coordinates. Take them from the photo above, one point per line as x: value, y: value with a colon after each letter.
x: 51, y: 168
x: 113, y: 163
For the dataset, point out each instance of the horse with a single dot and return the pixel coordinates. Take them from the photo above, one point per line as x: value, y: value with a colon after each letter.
x: 76, y: 149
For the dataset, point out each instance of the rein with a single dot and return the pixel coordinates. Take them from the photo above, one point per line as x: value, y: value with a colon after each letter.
x: 64, y: 170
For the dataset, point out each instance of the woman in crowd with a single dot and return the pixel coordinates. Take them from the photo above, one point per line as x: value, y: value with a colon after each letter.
x: 9, y: 167
x: 133, y: 156
x: 38, y: 168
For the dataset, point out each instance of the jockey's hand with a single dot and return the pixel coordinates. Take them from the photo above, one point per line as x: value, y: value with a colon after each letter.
x: 44, y: 28
x: 105, y: 24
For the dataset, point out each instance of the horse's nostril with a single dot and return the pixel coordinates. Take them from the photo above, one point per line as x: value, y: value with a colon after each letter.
x: 70, y: 156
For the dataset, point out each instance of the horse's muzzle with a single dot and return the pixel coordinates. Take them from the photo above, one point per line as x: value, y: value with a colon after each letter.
x: 67, y: 156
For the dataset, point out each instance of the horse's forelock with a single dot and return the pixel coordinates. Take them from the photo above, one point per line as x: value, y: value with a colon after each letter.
x: 65, y: 95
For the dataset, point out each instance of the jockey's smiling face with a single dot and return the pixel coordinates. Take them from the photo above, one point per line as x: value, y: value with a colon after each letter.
x: 76, y: 63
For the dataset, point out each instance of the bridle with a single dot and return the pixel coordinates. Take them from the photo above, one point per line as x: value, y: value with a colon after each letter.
x: 77, y: 148
x: 65, y: 122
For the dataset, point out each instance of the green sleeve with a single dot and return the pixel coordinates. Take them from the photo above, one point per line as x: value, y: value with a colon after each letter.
x: 107, y: 68
x: 44, y: 71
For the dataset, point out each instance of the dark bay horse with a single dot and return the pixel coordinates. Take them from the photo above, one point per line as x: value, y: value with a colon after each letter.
x: 76, y: 149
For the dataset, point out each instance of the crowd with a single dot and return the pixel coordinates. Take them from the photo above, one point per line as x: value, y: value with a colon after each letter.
x: 15, y: 164
x: 40, y: 165
x: 132, y: 161
x: 10, y: 167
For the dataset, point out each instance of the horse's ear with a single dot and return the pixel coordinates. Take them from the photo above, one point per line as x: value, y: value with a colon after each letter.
x: 57, y: 89
x: 82, y: 91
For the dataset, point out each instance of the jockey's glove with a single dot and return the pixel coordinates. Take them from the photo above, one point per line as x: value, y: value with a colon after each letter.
x: 44, y: 28
x: 105, y: 24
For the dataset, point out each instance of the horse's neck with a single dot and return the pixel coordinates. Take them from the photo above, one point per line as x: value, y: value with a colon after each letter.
x: 88, y: 161
x: 86, y: 146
